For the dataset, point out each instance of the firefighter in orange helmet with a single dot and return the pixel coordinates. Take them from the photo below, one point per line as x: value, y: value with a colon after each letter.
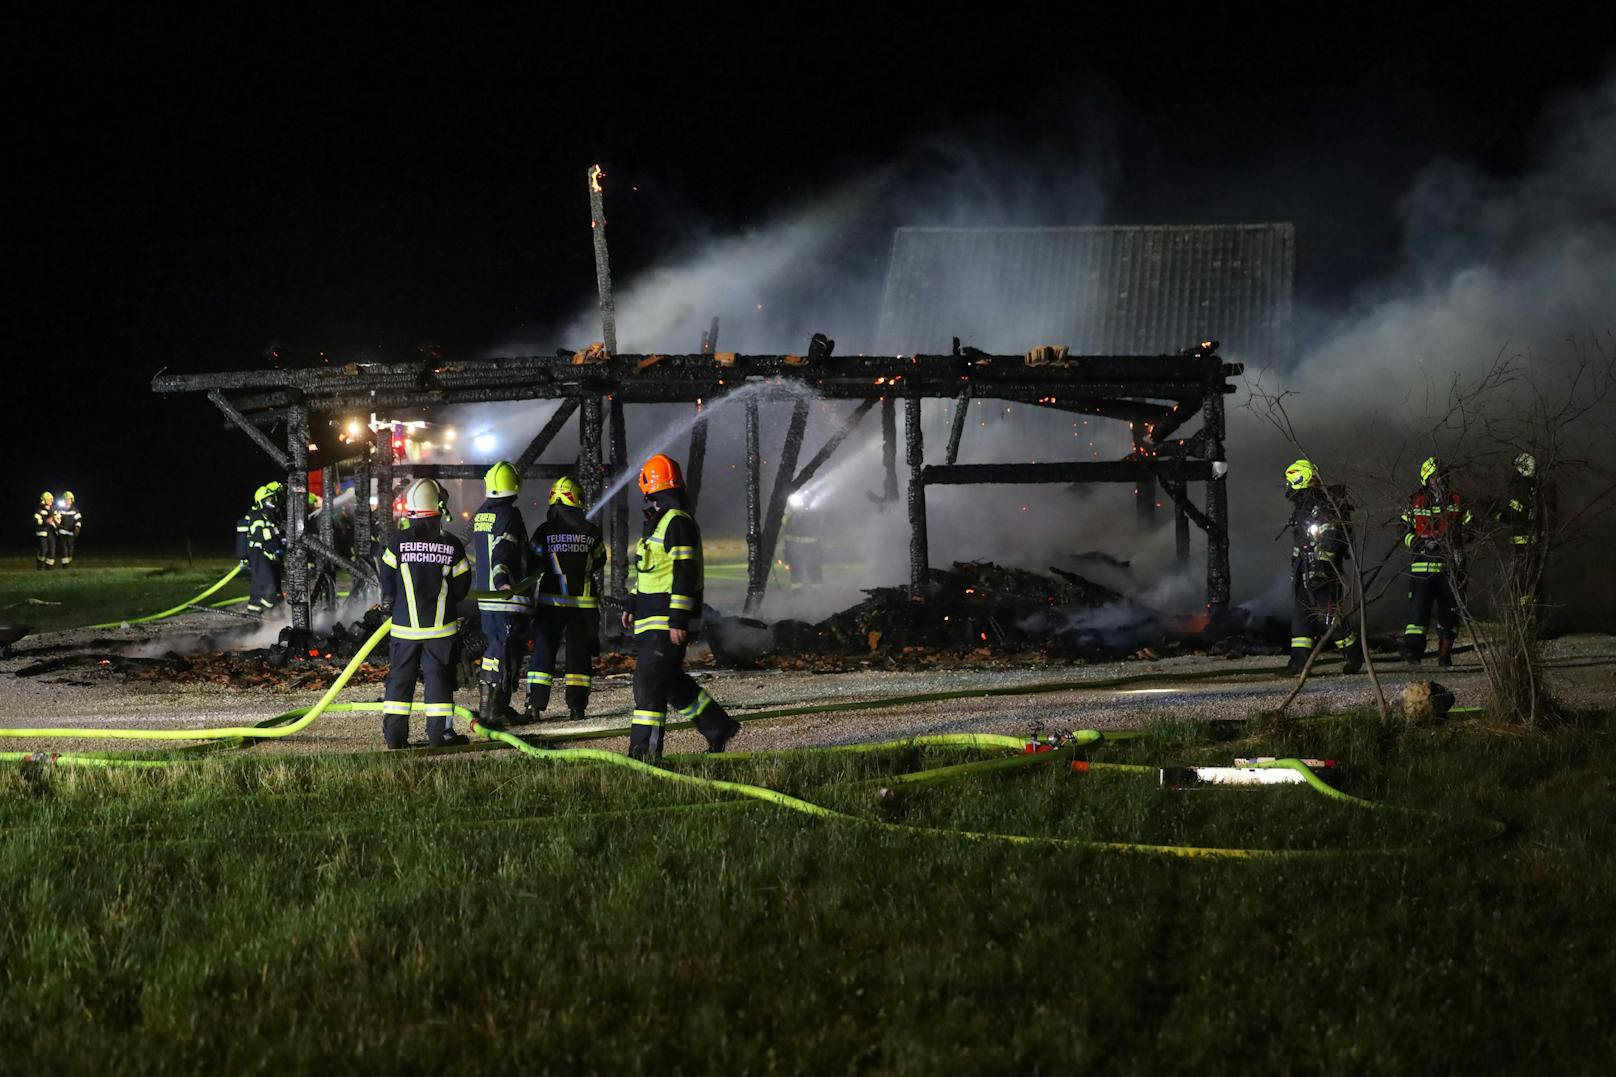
x: 666, y: 613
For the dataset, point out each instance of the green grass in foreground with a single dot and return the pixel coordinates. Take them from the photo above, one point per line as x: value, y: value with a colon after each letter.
x: 108, y: 587
x: 495, y: 914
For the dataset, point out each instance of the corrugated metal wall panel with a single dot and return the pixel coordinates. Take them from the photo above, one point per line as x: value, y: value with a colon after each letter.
x: 1141, y: 289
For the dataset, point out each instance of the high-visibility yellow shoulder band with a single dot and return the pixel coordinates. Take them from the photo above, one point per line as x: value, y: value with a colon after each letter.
x: 461, y: 568
x: 389, y: 558
x: 437, y: 632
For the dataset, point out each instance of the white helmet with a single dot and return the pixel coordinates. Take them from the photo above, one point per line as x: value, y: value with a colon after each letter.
x: 424, y: 498
x: 1526, y: 464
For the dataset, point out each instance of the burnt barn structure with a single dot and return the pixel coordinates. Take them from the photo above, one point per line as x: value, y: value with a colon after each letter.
x: 1174, y: 403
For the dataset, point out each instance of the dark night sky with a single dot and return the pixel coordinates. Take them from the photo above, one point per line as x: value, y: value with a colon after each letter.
x: 183, y: 196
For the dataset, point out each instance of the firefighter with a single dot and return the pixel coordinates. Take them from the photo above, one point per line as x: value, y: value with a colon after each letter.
x: 1529, y: 512
x: 1319, y: 551
x: 804, y: 548
x: 1434, y: 534
x: 69, y: 522
x: 424, y: 577
x: 568, y: 550
x: 45, y: 531
x: 499, y: 542
x: 666, y: 613
x: 265, y: 547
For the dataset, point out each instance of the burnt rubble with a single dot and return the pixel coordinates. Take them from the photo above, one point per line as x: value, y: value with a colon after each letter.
x: 978, y: 611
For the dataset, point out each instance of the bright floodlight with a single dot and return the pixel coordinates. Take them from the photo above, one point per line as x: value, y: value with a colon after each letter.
x: 796, y: 500
x: 485, y: 443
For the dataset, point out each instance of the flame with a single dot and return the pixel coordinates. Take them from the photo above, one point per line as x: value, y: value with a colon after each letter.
x: 596, y: 174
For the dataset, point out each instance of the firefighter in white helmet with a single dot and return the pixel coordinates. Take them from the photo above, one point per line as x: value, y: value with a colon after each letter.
x: 424, y: 576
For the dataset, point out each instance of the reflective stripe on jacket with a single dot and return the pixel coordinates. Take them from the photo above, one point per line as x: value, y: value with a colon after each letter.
x: 667, y: 587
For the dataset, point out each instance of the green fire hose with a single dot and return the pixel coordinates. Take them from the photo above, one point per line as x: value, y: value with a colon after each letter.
x: 181, y: 608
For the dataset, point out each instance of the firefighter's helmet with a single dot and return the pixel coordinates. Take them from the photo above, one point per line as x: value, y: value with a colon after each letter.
x: 1431, y: 466
x: 1525, y: 465
x: 566, y: 491
x: 1301, y: 475
x: 266, y: 492
x: 424, y: 498
x: 502, y: 480
x: 660, y: 473
x: 67, y: 495
x: 47, y: 496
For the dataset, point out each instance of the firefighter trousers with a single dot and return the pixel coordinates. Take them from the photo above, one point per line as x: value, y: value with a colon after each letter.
x: 1428, y: 591
x: 46, y: 557
x: 265, y: 590
x: 1315, y: 613
x: 434, y: 661
x: 64, y: 548
x: 579, y: 631
x: 661, y: 684
x: 505, y: 638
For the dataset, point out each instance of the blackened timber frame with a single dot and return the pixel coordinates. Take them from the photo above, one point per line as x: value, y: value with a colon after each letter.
x: 1157, y: 393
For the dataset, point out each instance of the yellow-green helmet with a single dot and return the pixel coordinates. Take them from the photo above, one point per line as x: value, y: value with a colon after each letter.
x: 567, y: 491
x: 47, y: 496
x: 67, y: 495
x: 265, y: 492
x: 1301, y: 475
x: 1431, y: 466
x: 502, y: 480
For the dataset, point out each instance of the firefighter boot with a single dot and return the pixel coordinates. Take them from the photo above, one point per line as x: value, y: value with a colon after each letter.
x: 717, y: 726
x: 1444, y: 652
x: 1352, y: 658
x: 538, y: 698
x: 488, y: 706
x: 645, y: 743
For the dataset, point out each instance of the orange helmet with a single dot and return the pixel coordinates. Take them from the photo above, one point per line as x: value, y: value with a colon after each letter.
x: 660, y: 473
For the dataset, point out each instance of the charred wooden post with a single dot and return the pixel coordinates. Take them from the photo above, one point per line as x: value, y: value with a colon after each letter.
x: 1181, y: 534
x: 297, y: 517
x: 382, y: 515
x: 962, y: 408
x: 889, y: 448
x: 697, y: 457
x: 919, y: 558
x: 755, y: 566
x: 1218, y: 585
x: 327, y: 588
x: 619, y: 506
x: 832, y: 443
x: 1144, y: 491
x: 362, y: 518
x: 780, y: 493
x: 258, y: 437
x: 590, y: 474
x: 603, y: 265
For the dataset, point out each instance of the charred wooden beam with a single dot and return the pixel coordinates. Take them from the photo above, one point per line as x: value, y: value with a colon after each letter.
x: 1067, y: 472
x: 1181, y: 534
x: 258, y: 437
x: 755, y: 566
x: 697, y: 459
x: 962, y: 407
x: 591, y: 475
x: 325, y: 552
x: 889, y: 449
x: 296, y: 571
x: 385, y: 479
x: 1144, y: 491
x: 780, y: 492
x: 1218, y: 582
x: 363, y: 520
x: 1178, y: 490
x: 618, y: 510
x: 603, y: 264
x: 328, y: 534
x: 476, y: 472
x: 919, y: 555
x: 547, y: 433
x: 832, y: 443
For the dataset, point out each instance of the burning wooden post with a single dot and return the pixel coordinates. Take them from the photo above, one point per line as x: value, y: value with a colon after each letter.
x: 603, y: 265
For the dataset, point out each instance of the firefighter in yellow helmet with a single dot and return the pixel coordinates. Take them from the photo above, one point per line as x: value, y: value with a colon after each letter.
x: 499, y: 550
x: 69, y: 522
x: 266, y: 548
x: 424, y: 577
x: 567, y: 551
x: 666, y: 614
x: 1319, y: 550
x: 45, y: 531
x: 1434, y: 531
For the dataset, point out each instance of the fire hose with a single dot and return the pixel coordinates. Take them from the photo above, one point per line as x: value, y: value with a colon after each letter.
x: 181, y: 608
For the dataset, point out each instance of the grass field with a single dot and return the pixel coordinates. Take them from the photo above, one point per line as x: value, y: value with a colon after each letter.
x: 105, y: 588
x: 498, y: 914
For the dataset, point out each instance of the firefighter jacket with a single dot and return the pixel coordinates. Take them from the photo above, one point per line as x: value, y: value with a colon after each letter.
x: 1529, y: 509
x: 44, y: 520
x: 667, y: 587
x: 69, y: 521
x: 264, y: 533
x: 1434, y: 528
x: 1320, y: 544
x: 243, y: 526
x: 567, y: 550
x: 424, y: 576
x: 499, y: 545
